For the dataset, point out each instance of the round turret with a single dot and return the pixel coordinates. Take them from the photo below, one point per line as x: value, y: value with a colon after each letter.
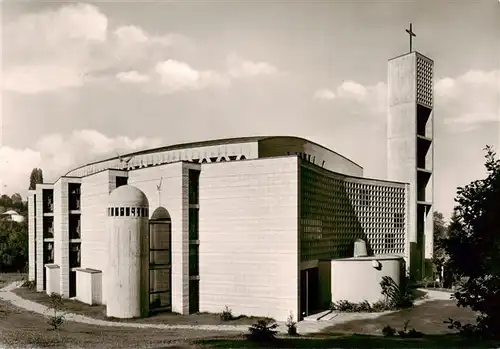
x: 127, y: 272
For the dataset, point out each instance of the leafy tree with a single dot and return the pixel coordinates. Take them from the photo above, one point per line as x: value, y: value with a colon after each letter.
x: 36, y: 177
x: 473, y: 247
x: 16, y: 198
x: 440, y: 233
x: 13, y: 246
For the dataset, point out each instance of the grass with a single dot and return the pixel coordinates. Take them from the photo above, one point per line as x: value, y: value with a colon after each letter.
x: 7, y: 278
x: 23, y: 329
x: 350, y: 341
x: 99, y: 312
x: 427, y: 318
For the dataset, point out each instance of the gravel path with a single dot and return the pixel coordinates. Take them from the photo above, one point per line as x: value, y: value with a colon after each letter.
x: 303, y: 326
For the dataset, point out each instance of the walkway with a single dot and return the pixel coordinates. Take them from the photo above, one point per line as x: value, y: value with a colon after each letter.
x: 308, y: 326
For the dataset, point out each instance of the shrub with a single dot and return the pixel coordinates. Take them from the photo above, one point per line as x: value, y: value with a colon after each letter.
x: 263, y: 330
x: 380, y: 306
x: 291, y: 325
x: 388, y: 331
x: 412, y: 333
x: 29, y: 284
x: 397, y: 297
x: 350, y: 307
x: 56, y: 320
x: 226, y: 314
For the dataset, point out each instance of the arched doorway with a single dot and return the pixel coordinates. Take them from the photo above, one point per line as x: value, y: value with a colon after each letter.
x: 160, y: 257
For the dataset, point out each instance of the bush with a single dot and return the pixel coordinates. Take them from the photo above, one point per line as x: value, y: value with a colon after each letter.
x: 291, y: 325
x: 226, y: 314
x: 29, y: 284
x: 388, y: 331
x: 263, y: 331
x: 56, y: 320
x: 397, y: 297
x: 380, y: 306
x: 412, y: 333
x: 350, y: 307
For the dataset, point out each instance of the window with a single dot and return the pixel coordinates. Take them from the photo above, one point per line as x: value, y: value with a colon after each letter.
x: 193, y: 260
x: 116, y: 211
x: 122, y: 211
x: 399, y: 220
x: 132, y: 211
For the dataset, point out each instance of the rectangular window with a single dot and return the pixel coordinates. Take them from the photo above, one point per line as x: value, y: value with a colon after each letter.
x: 116, y: 212
x: 193, y: 223
x: 127, y: 211
x: 122, y: 211
x: 193, y: 260
x: 132, y: 212
x: 121, y: 181
x: 194, y: 295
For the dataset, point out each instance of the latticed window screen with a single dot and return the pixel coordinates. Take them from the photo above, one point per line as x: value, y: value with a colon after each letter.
x: 336, y: 210
x: 424, y: 82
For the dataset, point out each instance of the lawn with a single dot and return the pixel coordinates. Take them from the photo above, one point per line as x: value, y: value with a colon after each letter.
x: 23, y: 329
x: 7, y: 278
x: 427, y: 317
x: 99, y: 312
x: 350, y: 341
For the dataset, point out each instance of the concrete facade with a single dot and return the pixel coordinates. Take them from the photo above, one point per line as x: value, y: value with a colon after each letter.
x: 347, y: 275
x: 410, y: 147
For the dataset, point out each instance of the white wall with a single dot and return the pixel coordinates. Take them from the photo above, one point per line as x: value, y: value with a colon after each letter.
x: 173, y: 196
x: 249, y: 237
x: 53, y: 279
x: 89, y: 286
x: 356, y: 280
x: 31, y: 235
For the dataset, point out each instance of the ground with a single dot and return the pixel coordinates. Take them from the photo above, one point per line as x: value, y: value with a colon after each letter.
x: 99, y: 312
x: 20, y: 328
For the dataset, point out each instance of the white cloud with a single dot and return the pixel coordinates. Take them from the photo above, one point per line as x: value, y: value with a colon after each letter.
x: 241, y: 68
x: 132, y: 76
x: 351, y: 88
x: 324, y: 94
x: 57, y: 154
x: 56, y: 49
x: 469, y: 100
x: 179, y: 76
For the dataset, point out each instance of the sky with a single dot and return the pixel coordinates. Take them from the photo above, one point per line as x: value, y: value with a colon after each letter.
x: 83, y: 81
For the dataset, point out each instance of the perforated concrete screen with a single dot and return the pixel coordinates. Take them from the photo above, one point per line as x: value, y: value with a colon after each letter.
x: 424, y: 82
x: 336, y: 210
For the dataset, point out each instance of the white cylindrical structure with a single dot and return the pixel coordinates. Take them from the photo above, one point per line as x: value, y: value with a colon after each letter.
x: 360, y: 248
x: 127, y: 272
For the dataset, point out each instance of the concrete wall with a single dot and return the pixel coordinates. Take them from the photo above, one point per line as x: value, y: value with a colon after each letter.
x: 61, y: 233
x: 53, y: 279
x: 89, y: 286
x: 173, y: 196
x: 282, y: 146
x: 31, y: 236
x: 248, y: 232
x: 127, y: 270
x: 356, y: 280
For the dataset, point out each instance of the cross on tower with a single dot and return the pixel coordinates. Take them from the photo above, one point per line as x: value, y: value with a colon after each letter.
x: 412, y: 34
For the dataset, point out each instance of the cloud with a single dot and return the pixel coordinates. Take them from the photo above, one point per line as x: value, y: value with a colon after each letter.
x: 241, y: 68
x: 469, y: 100
x: 348, y: 88
x: 59, y: 49
x: 56, y: 154
x: 132, y: 76
x: 324, y: 94
x: 179, y: 76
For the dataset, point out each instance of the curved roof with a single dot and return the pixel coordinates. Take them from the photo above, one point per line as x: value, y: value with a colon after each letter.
x: 206, y: 144
x: 127, y: 195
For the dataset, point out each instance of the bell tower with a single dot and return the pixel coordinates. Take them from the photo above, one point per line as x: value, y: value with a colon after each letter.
x: 410, y: 148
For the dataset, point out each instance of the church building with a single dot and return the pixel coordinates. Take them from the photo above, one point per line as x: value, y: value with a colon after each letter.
x: 263, y: 225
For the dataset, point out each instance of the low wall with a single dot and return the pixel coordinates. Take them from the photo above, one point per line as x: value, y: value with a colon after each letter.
x: 358, y: 279
x: 52, y: 283
x: 89, y: 286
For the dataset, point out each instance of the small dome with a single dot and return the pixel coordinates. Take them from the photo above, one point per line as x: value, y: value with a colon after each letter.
x: 127, y: 195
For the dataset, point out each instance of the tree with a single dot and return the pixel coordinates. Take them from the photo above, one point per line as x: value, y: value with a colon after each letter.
x: 473, y: 247
x: 36, y: 177
x: 16, y: 198
x: 440, y: 233
x: 13, y: 246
